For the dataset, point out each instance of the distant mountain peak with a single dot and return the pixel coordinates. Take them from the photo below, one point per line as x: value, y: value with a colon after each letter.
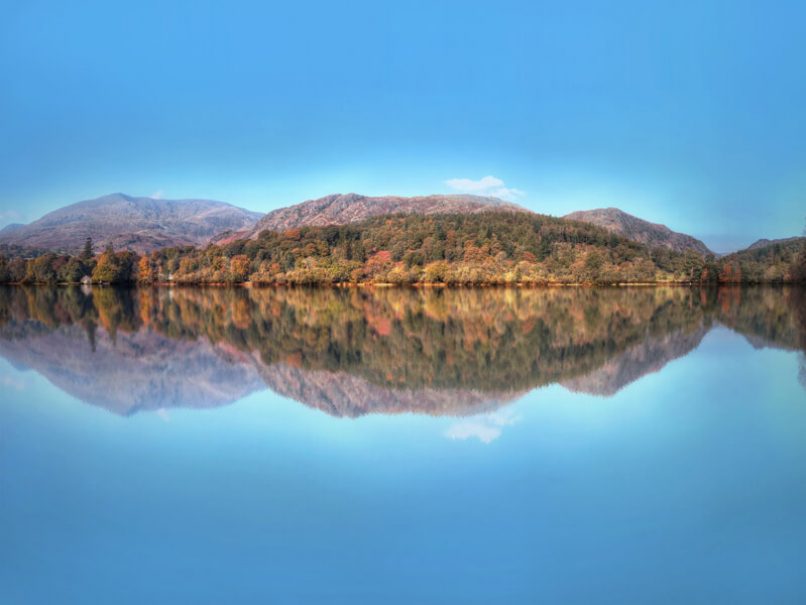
x: 141, y: 224
x: 622, y: 223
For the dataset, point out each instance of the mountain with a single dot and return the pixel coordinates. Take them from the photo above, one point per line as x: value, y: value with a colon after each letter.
x: 652, y: 234
x: 141, y: 224
x: 10, y: 228
x: 341, y: 209
x: 763, y: 243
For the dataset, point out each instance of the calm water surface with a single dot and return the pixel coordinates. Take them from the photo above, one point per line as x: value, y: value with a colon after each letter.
x: 396, y: 446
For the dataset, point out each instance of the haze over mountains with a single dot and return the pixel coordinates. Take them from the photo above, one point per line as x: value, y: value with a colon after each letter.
x: 143, y: 224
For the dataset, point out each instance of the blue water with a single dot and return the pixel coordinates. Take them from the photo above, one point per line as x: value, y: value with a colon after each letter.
x: 687, y: 485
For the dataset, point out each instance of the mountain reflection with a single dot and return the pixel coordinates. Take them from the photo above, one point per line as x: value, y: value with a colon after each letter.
x: 360, y: 351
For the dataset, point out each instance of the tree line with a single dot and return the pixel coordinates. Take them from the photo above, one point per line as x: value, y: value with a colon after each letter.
x: 493, y: 248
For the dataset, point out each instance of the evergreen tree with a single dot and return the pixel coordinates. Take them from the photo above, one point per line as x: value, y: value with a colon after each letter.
x: 86, y: 253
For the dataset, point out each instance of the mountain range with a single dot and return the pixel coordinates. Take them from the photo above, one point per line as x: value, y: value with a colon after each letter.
x: 143, y: 224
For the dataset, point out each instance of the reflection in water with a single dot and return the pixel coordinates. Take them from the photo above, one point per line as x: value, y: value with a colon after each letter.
x: 354, y: 352
x: 484, y: 427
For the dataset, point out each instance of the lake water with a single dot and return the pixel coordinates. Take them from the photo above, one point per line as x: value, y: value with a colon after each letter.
x: 399, y: 446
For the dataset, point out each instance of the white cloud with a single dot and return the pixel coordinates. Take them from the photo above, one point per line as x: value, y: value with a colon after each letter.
x: 486, y: 428
x: 11, y: 382
x: 487, y: 185
x: 158, y: 194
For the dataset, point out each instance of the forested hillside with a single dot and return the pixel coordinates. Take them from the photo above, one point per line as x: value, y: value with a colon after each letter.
x: 774, y: 261
x: 455, y: 249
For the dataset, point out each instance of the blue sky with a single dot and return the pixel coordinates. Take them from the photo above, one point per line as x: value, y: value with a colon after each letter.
x: 691, y: 114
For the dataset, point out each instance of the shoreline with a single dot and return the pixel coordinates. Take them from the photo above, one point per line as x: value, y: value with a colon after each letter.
x: 415, y: 285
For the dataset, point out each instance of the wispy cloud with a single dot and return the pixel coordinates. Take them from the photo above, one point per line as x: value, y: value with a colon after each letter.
x: 486, y: 428
x: 158, y: 194
x: 487, y: 185
x: 11, y: 382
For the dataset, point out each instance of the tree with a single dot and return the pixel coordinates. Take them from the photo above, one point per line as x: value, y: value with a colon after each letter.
x: 239, y: 268
x: 86, y: 253
x: 4, y: 273
x: 41, y: 270
x: 15, y: 270
x: 114, y: 268
x: 436, y: 272
x: 145, y: 270
x: 593, y: 265
x: 72, y: 271
x: 106, y: 270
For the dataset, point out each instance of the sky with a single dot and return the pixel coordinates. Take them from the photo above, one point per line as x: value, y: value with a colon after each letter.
x: 691, y: 113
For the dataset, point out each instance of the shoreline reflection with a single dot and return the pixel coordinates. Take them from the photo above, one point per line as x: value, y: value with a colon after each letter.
x: 453, y: 352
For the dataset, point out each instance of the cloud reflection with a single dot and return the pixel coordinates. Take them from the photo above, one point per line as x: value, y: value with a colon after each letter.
x: 485, y: 427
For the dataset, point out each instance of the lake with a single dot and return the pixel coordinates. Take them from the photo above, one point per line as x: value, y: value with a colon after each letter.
x: 569, y: 445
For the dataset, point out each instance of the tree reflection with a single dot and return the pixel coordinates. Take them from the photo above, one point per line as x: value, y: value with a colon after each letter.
x: 356, y: 351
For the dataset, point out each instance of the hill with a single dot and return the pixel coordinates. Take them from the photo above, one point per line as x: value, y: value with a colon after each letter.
x: 766, y: 261
x: 140, y: 224
x: 638, y: 230
x: 763, y: 243
x: 491, y: 247
x: 344, y: 209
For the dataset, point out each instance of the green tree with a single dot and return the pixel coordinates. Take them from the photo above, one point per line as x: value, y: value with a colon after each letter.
x: 4, y: 273
x: 42, y: 270
x: 86, y: 253
x: 72, y: 271
x: 114, y: 268
x: 106, y: 269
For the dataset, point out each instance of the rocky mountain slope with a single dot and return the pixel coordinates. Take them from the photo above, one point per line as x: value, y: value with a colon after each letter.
x: 141, y: 224
x: 341, y: 209
x: 11, y: 228
x: 652, y: 234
